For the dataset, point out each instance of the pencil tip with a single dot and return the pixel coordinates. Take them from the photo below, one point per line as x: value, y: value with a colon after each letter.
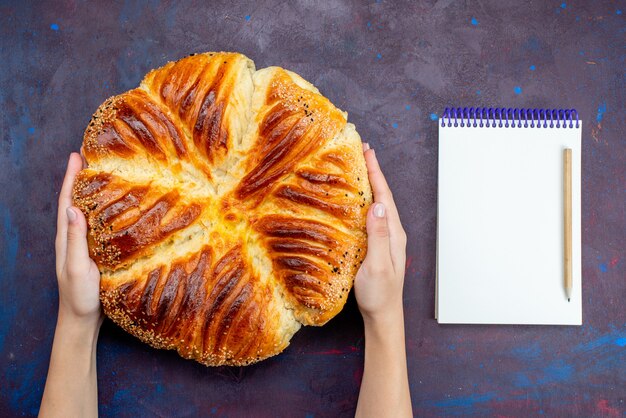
x: 568, y: 299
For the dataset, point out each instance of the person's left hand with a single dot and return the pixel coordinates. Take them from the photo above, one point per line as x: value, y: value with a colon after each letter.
x: 77, y: 274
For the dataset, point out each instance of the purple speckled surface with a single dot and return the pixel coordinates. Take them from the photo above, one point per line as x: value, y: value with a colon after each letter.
x: 393, y: 66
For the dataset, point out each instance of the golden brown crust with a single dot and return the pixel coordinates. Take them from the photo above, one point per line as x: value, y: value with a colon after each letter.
x: 211, y: 311
x: 226, y: 207
x: 294, y: 123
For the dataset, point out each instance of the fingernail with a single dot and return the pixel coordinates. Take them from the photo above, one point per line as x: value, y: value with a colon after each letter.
x: 71, y: 215
x: 366, y: 146
x: 379, y: 210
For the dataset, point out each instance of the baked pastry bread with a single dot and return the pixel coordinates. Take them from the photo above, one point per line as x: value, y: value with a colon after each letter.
x: 226, y: 207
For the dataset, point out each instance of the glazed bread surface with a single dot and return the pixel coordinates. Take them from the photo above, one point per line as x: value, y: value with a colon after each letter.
x: 226, y: 207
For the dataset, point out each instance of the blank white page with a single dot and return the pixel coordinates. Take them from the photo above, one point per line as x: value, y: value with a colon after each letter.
x: 500, y: 226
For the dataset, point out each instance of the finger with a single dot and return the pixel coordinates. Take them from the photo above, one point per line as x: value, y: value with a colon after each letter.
x: 378, y: 255
x: 377, y: 179
x: 77, y: 258
x: 82, y: 155
x: 74, y: 165
x: 382, y: 193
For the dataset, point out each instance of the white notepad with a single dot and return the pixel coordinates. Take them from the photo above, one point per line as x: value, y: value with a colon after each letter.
x: 500, y: 241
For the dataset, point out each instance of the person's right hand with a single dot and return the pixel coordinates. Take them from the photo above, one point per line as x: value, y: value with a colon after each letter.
x: 378, y: 290
x: 77, y: 274
x: 379, y: 281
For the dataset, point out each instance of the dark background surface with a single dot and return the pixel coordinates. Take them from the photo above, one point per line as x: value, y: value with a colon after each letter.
x: 393, y: 66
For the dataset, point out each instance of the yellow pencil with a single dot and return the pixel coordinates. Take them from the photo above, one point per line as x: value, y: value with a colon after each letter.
x: 567, y: 221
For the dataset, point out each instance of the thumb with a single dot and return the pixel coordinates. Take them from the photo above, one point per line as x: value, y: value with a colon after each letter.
x: 377, y: 234
x: 77, y: 258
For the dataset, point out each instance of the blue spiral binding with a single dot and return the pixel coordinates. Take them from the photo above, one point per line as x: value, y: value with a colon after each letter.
x: 490, y: 117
